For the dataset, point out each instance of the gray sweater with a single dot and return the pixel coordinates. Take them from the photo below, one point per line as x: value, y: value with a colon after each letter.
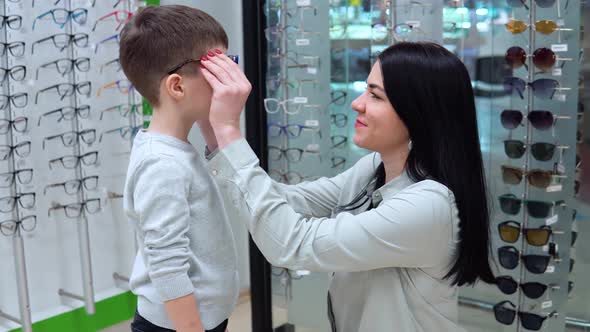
x: 388, y: 263
x: 186, y: 245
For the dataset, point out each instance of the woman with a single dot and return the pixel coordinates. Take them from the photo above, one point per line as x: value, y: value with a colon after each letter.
x: 401, y: 229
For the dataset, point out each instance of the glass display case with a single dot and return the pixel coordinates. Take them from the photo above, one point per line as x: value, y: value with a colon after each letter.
x: 524, y: 59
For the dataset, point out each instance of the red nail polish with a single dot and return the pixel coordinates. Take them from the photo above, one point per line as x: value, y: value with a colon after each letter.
x: 218, y: 51
x: 209, y: 53
x: 203, y: 58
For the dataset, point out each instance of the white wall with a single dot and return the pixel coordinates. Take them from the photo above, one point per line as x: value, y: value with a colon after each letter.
x: 229, y: 14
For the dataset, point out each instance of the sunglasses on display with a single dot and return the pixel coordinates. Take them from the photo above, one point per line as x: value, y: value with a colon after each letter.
x: 528, y: 320
x: 71, y: 162
x: 18, y: 100
x: 19, y: 124
x: 126, y: 132
x: 74, y: 210
x: 532, y: 290
x: 64, y: 40
x: 541, y: 151
x: 289, y: 177
x: 545, y: 27
x: 538, y: 178
x: 510, y: 204
x: 24, y: 176
x: 510, y: 232
x: 123, y: 109
x: 22, y: 150
x: 543, y: 58
x: 176, y: 68
x: 62, y: 16
x: 16, y: 49
x: 14, y: 22
x: 68, y: 113
x: 292, y: 131
x: 339, y: 120
x: 71, y: 138
x: 10, y: 227
x: 543, y: 88
x: 537, y: 264
x: 65, y: 66
x: 124, y: 86
x: 67, y: 90
x: 541, y: 120
x: 17, y: 73
x: 26, y: 201
x: 72, y: 187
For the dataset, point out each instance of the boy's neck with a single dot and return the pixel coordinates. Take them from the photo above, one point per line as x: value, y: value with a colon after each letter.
x: 167, y: 122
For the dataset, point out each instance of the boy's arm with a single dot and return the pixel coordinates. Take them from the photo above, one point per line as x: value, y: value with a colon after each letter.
x: 184, y: 314
x: 160, y: 196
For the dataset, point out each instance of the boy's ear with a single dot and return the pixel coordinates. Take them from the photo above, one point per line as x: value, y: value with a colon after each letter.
x: 174, y: 86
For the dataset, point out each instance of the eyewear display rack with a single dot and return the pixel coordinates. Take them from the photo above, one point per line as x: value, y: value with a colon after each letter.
x: 67, y: 84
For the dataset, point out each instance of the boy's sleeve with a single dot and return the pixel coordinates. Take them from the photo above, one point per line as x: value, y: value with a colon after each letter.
x: 160, y: 197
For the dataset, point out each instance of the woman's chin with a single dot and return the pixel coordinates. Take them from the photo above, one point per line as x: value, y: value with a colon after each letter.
x: 358, y: 141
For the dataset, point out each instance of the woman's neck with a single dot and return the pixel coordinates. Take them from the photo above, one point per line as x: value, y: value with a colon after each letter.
x: 394, y: 162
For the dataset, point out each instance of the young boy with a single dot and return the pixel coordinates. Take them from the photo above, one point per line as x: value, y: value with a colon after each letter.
x: 185, y: 273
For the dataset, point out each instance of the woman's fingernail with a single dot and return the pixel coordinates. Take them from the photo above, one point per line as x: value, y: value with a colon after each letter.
x: 218, y: 51
x: 203, y: 58
x: 209, y: 53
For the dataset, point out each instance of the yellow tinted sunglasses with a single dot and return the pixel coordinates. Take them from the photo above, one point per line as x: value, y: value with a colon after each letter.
x: 543, y: 26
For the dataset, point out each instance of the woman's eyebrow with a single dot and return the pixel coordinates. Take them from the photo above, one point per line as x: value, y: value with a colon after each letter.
x: 374, y: 86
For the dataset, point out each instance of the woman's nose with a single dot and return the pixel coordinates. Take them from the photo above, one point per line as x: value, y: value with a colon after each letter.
x: 358, y: 104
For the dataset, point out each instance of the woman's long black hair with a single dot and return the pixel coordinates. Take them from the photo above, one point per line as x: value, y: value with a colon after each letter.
x: 431, y: 92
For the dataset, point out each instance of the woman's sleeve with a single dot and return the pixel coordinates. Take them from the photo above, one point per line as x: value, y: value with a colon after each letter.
x: 410, y: 230
x: 318, y: 198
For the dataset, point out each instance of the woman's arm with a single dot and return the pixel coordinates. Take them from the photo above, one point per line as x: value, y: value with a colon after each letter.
x: 411, y: 230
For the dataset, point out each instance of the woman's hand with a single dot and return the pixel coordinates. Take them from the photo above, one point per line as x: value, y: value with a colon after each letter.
x: 230, y: 92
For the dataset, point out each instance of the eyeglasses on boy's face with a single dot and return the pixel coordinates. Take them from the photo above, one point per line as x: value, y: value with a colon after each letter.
x: 176, y: 68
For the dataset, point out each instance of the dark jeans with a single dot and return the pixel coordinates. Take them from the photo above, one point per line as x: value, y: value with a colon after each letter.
x: 141, y: 324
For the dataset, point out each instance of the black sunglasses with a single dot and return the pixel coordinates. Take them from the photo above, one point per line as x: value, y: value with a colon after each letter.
x: 537, y: 264
x: 543, y: 88
x: 541, y: 120
x: 541, y: 151
x: 532, y: 290
x: 511, y: 205
x: 528, y: 320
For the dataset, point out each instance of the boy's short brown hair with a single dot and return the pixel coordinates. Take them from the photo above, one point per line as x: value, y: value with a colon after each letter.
x: 159, y: 38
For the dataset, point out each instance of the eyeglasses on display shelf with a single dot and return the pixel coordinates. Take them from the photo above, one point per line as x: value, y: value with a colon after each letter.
x: 71, y: 138
x: 72, y: 161
x: 66, y: 113
x: 72, y: 187
x: 62, y: 16
x: 74, y: 210
x: 67, y: 90
x: 62, y: 41
x: 529, y: 321
x: 65, y: 66
x: 9, y: 227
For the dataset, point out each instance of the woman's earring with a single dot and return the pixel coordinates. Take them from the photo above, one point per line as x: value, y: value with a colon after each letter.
x: 410, y: 145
